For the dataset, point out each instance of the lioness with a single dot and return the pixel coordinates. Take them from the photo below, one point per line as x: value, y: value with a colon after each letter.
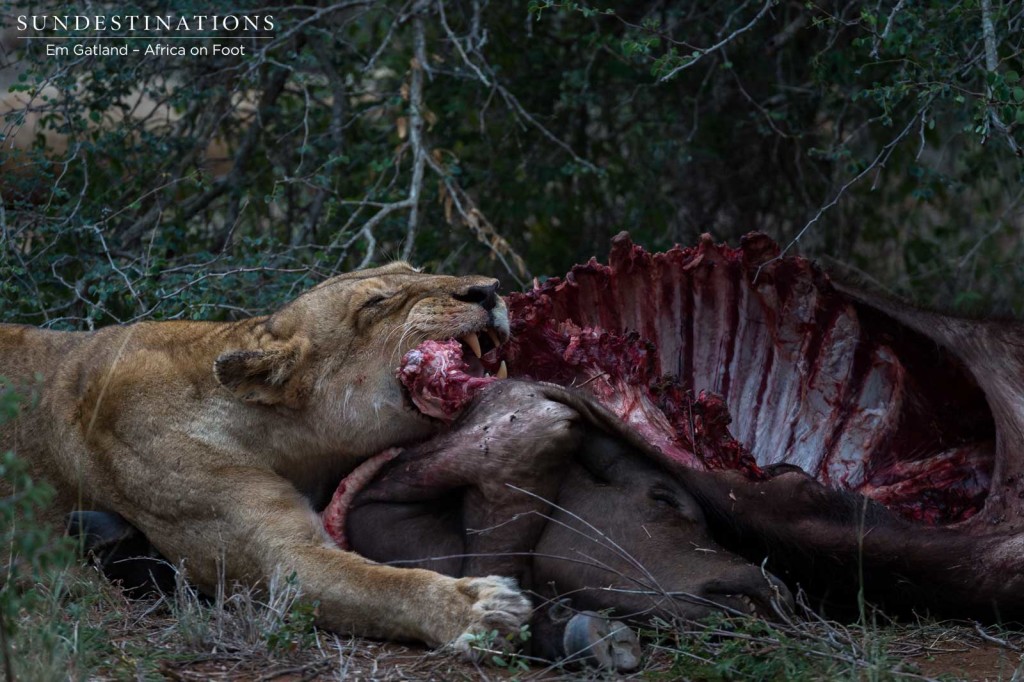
x: 218, y: 440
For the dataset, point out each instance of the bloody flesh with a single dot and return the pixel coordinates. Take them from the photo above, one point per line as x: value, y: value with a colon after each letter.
x: 438, y: 380
x: 680, y: 342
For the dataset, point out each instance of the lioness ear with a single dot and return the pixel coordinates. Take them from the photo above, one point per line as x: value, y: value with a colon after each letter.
x: 268, y: 376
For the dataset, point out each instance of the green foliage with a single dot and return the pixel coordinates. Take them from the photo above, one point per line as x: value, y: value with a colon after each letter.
x: 42, y: 603
x: 294, y: 632
x: 886, y: 136
x: 501, y: 650
x: 741, y: 648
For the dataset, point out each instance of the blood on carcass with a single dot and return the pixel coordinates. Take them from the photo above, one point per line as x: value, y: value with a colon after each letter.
x: 737, y: 358
x: 679, y: 343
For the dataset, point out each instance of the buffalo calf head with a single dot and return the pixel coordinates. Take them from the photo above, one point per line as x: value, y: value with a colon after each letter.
x: 542, y: 483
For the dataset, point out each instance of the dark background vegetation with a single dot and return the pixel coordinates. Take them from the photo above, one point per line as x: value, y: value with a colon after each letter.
x: 516, y: 138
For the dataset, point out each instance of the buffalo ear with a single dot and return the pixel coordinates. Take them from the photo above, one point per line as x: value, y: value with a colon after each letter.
x: 601, y: 454
x: 266, y: 376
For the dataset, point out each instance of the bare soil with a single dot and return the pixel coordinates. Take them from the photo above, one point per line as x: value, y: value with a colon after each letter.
x: 985, y: 662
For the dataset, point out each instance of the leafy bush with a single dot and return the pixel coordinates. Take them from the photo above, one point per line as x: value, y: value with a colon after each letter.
x: 34, y: 624
x: 468, y: 134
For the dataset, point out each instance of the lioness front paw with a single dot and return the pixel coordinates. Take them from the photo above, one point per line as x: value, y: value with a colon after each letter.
x: 497, y: 605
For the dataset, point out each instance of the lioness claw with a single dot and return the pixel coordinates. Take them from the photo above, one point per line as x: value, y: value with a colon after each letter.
x: 498, y: 606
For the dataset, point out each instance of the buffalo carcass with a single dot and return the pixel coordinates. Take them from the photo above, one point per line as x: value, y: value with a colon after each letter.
x: 875, y: 445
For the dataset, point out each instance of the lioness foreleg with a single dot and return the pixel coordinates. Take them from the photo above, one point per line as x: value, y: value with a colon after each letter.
x: 260, y: 524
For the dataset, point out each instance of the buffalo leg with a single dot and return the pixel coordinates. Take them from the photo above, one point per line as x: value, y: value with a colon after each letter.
x: 121, y: 552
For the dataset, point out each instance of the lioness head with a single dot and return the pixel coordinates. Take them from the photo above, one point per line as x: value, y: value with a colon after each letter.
x: 330, y: 356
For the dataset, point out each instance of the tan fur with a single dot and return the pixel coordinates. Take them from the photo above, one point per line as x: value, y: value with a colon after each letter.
x: 209, y: 437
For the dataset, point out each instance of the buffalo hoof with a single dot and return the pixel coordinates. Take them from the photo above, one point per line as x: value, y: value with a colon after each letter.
x: 599, y: 642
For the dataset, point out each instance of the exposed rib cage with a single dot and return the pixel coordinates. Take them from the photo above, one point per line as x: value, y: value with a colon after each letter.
x: 809, y: 377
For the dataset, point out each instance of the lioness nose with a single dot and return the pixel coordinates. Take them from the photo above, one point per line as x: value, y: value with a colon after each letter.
x: 485, y: 295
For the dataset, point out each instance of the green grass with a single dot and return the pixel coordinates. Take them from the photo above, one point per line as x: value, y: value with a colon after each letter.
x: 739, y: 648
x: 808, y: 647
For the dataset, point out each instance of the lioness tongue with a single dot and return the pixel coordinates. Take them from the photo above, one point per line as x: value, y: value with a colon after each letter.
x: 438, y: 379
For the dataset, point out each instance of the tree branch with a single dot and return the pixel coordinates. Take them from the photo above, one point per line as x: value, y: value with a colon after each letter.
x: 720, y: 44
x: 888, y: 27
x: 879, y: 161
x: 419, y: 154
x: 513, y: 103
x: 273, y: 90
x: 988, y: 32
x: 455, y: 198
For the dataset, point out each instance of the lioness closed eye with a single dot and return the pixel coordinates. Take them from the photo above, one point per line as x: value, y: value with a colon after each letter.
x: 219, y: 440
